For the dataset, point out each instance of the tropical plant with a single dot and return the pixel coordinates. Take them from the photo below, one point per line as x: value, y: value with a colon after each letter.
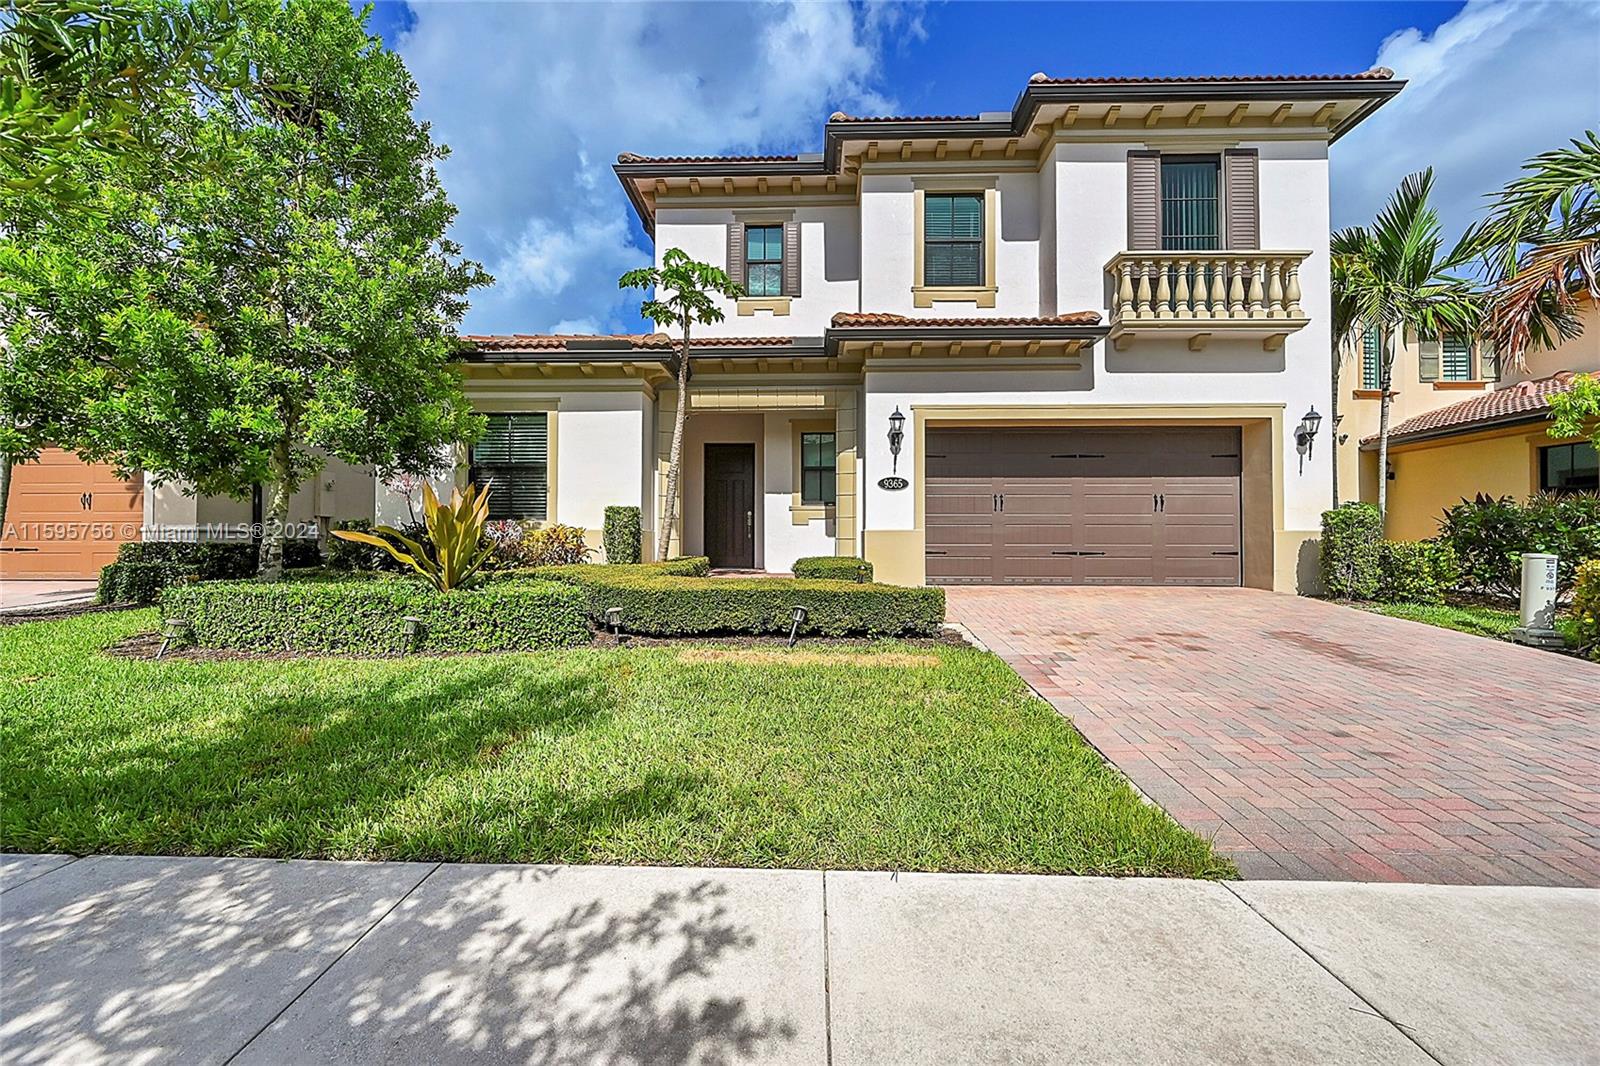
x: 1541, y: 244
x: 685, y: 291
x: 1576, y: 412
x: 1343, y: 322
x: 456, y: 547
x: 1395, y: 276
x: 1489, y: 536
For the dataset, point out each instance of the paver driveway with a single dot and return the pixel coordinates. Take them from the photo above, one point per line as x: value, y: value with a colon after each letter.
x: 1319, y: 741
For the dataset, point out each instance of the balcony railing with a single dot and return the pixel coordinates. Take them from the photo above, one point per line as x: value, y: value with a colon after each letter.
x: 1198, y: 295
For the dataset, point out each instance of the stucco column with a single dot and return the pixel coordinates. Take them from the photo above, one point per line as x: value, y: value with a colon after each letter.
x: 844, y: 436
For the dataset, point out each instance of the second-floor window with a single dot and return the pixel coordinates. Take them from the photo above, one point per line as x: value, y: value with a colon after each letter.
x: 1371, y: 359
x: 952, y: 237
x: 1455, y: 360
x: 513, y: 456
x: 763, y: 254
x: 1190, y: 219
x: 818, y: 468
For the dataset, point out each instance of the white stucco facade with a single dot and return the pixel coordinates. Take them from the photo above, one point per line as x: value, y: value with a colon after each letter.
x: 1057, y: 330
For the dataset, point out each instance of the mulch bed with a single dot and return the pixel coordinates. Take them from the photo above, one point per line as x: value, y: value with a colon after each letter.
x: 66, y: 610
x: 146, y: 645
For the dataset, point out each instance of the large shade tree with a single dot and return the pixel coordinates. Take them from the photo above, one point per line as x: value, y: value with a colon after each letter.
x: 295, y: 300
x: 685, y: 292
x: 1396, y: 277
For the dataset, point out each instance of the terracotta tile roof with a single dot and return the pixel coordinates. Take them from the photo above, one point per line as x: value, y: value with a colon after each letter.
x: 1375, y: 74
x: 630, y: 157
x: 840, y: 116
x: 738, y: 342
x: 847, y: 319
x: 1526, y: 398
x: 502, y: 342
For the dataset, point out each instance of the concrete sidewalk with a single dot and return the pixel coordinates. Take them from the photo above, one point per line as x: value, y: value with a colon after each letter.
x: 116, y: 959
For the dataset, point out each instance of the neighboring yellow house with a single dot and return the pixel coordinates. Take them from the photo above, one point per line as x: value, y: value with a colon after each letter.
x: 1494, y: 442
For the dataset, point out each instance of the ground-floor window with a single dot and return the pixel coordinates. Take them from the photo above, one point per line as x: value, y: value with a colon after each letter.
x: 818, y: 468
x: 513, y: 456
x: 1569, y: 468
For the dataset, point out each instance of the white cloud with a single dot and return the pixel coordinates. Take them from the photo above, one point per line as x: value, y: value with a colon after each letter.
x: 1496, y: 84
x: 536, y: 100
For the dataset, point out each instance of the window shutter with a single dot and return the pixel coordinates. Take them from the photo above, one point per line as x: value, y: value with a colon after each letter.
x: 1428, y: 360
x: 1241, y: 186
x: 1488, y: 362
x: 736, y: 252
x: 791, y: 259
x: 1144, y: 201
x: 513, y: 456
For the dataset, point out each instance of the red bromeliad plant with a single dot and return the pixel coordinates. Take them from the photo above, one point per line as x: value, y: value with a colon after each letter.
x: 455, y: 531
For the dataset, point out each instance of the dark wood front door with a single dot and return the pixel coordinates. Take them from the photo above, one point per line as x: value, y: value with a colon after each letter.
x: 731, y: 504
x: 1084, y: 506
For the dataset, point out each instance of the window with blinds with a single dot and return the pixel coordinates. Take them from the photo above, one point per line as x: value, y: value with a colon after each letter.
x: 763, y: 258
x: 1455, y: 362
x: 514, y: 455
x: 818, y: 468
x: 1189, y: 214
x: 1371, y: 359
x: 952, y: 239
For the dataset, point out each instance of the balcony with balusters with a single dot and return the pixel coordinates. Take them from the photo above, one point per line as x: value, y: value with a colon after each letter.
x: 1198, y: 296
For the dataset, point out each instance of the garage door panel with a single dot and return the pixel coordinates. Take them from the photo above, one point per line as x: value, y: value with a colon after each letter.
x: 1084, y: 505
x: 66, y: 518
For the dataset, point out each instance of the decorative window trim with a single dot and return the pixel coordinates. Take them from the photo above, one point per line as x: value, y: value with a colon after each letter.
x: 924, y: 295
x: 778, y: 305
x: 800, y: 512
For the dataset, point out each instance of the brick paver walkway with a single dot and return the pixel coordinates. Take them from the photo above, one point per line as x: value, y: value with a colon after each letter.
x: 1318, y: 741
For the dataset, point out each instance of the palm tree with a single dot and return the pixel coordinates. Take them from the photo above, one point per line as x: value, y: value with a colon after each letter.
x: 1541, y: 243
x: 684, y: 291
x: 1344, y: 318
x: 1395, y: 276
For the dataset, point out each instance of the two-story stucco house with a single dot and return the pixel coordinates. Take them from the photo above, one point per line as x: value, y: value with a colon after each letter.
x: 1072, y: 342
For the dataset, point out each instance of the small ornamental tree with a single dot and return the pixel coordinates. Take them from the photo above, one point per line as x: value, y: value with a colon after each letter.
x: 1576, y: 412
x: 684, y: 297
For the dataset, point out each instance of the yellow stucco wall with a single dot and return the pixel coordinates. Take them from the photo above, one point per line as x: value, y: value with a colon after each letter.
x: 1430, y: 476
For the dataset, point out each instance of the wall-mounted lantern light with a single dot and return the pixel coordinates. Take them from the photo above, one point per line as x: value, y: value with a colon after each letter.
x: 897, y: 433
x: 1306, y: 434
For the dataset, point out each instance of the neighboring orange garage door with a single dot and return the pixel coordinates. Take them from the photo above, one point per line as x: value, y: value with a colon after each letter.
x: 66, y: 517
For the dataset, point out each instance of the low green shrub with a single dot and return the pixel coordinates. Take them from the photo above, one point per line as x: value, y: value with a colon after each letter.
x: 1586, y: 607
x: 368, y: 616
x: 1490, y: 535
x: 1351, y: 535
x: 141, y: 582
x: 1416, y: 571
x: 301, y: 553
x: 212, y: 560
x: 624, y: 530
x: 684, y: 566
x: 834, y: 567
x: 658, y: 603
x: 351, y: 556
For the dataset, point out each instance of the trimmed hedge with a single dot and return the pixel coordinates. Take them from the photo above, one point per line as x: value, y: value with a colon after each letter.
x: 1419, y: 571
x: 1351, y: 537
x: 623, y: 533
x: 141, y: 582
x: 368, y: 616
x: 658, y: 603
x: 212, y: 560
x: 1586, y: 607
x: 834, y: 567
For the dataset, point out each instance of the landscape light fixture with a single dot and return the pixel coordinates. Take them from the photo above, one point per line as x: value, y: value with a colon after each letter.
x: 1306, y: 434
x: 897, y: 433
x: 796, y: 620
x: 614, y: 620
x: 414, y: 630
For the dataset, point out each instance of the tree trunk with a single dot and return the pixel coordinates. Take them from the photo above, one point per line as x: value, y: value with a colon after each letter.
x: 1383, y: 430
x: 675, y: 457
x: 276, y: 516
x: 6, y: 463
x: 1333, y: 419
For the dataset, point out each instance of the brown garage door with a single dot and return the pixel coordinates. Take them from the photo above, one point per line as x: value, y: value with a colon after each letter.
x: 1078, y: 506
x: 66, y: 517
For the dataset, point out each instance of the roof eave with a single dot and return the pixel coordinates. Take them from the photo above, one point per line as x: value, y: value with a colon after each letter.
x: 1463, y: 428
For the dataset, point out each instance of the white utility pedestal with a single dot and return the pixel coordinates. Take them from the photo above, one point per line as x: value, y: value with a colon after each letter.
x: 1538, y: 602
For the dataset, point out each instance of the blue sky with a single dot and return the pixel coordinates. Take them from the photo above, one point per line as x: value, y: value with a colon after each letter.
x: 537, y: 99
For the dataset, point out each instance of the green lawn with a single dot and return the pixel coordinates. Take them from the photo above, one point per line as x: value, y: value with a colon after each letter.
x: 1475, y: 619
x: 659, y: 755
